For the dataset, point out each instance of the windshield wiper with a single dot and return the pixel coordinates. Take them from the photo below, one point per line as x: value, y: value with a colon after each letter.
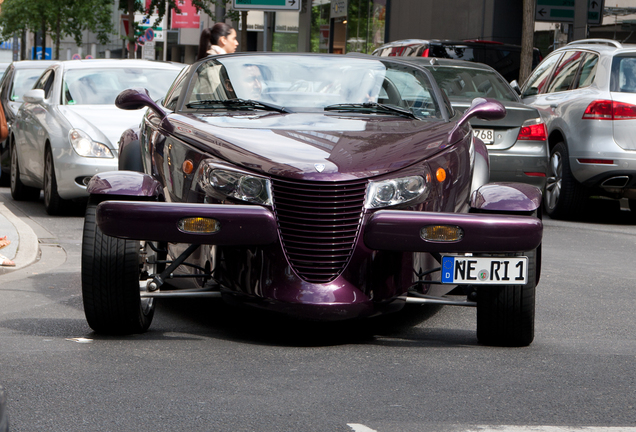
x: 371, y: 106
x: 237, y: 103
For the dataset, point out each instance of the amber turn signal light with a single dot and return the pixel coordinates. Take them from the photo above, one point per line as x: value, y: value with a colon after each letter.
x: 199, y: 225
x: 440, y: 174
x: 442, y: 233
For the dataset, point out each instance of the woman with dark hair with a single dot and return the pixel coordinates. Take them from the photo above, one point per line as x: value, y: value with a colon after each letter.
x: 219, y: 39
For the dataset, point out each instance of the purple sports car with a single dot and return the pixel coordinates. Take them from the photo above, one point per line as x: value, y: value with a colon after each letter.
x: 323, y: 187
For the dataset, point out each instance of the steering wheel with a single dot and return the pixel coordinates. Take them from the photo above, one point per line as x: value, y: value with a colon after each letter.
x: 393, y: 95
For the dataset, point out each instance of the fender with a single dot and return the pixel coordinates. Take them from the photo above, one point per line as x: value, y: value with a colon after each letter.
x: 506, y: 197
x: 124, y: 183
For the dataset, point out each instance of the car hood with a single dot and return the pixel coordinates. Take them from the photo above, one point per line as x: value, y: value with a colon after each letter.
x: 104, y: 123
x: 310, y: 146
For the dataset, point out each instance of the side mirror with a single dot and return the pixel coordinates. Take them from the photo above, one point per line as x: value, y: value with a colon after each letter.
x: 482, y: 108
x: 515, y: 86
x: 137, y: 98
x: 35, y: 96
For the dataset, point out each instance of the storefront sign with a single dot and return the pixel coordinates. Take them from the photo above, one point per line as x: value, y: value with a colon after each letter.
x: 338, y: 8
x: 188, y: 18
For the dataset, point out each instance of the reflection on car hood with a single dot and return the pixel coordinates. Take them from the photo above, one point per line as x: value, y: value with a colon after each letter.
x: 293, y: 145
x: 104, y: 123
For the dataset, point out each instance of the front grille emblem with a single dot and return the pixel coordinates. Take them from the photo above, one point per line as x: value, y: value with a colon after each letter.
x: 319, y: 167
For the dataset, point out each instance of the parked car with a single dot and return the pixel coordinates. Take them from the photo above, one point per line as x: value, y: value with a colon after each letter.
x: 17, y: 79
x: 586, y: 93
x: 516, y: 144
x: 504, y: 58
x: 314, y: 186
x: 68, y: 128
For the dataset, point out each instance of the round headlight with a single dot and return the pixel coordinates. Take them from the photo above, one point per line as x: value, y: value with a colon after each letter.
x: 251, y: 187
x: 385, y: 192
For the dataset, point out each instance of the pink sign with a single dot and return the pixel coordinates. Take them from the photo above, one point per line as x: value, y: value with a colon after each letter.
x: 188, y: 18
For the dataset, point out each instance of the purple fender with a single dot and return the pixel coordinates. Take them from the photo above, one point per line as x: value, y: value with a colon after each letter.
x: 124, y: 183
x: 482, y: 233
x: 508, y: 197
x: 159, y: 221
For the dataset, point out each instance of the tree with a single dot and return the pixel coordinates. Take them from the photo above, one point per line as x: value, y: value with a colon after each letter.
x: 50, y: 16
x: 162, y: 7
x: 527, y: 40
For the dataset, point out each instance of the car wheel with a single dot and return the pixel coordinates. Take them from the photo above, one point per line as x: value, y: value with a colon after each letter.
x: 114, y: 273
x: 564, y: 197
x: 19, y: 191
x: 53, y: 203
x: 505, y: 313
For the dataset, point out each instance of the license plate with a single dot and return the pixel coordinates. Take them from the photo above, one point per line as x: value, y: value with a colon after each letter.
x: 486, y: 135
x: 461, y: 270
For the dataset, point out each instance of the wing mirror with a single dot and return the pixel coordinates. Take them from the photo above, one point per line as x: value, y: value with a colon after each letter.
x: 137, y: 98
x: 515, y: 86
x: 482, y: 108
x: 34, y: 96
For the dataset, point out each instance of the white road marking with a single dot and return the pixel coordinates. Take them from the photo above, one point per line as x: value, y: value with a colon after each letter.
x: 360, y: 428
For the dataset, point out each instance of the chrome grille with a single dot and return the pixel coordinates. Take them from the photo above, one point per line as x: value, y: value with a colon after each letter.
x: 319, y: 224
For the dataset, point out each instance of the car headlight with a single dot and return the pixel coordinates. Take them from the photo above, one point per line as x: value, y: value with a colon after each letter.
x: 387, y: 193
x: 85, y: 146
x: 238, y: 185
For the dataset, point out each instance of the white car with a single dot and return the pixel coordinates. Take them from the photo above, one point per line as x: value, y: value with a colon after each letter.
x: 68, y: 128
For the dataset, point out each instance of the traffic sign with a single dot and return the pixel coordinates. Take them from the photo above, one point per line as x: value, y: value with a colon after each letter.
x: 76, y: 57
x: 267, y: 5
x: 563, y: 11
x: 149, y: 35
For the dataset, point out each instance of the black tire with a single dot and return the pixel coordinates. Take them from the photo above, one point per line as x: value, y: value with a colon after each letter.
x: 19, y: 191
x: 111, y: 271
x: 564, y: 197
x: 505, y: 313
x: 53, y: 203
x: 130, y: 157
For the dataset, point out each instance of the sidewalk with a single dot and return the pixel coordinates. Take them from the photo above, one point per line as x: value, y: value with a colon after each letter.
x: 24, y: 247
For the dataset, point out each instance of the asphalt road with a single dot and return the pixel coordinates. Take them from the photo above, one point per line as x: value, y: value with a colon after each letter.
x: 204, y: 366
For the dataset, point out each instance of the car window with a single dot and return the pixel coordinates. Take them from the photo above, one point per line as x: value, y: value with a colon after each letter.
x: 307, y: 83
x: 460, y: 82
x: 565, y: 72
x: 623, y: 77
x: 537, y: 83
x: 588, y: 70
x: 175, y: 90
x: 23, y: 80
x: 460, y: 52
x: 101, y: 86
x: 45, y: 82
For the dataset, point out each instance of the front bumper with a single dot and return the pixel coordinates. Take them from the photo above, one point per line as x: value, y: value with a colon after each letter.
x: 246, y: 225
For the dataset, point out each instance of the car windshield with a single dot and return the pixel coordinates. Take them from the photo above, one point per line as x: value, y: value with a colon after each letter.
x: 23, y: 80
x: 468, y: 83
x: 101, y: 86
x: 313, y: 83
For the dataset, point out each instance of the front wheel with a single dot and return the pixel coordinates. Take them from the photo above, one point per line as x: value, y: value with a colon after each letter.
x: 505, y: 313
x: 114, y: 273
x: 53, y: 203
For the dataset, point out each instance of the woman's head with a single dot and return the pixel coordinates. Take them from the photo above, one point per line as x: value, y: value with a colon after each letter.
x: 222, y: 35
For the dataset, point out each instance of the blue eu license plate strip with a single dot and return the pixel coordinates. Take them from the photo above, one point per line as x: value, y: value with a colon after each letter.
x: 460, y: 270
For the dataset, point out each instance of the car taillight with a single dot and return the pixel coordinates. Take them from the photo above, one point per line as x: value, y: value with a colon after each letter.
x: 609, y: 110
x: 533, y: 130
x: 425, y: 53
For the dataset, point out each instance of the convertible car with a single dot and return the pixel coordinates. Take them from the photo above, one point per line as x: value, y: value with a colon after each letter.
x: 323, y: 187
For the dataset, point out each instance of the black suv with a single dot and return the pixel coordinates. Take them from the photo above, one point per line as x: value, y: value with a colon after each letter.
x: 504, y: 58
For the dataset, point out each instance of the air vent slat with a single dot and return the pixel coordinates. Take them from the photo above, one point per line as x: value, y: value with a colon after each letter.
x: 319, y: 223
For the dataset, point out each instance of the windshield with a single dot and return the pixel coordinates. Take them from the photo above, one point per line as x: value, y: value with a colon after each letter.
x: 313, y: 83
x: 101, y: 86
x: 23, y: 80
x: 465, y: 83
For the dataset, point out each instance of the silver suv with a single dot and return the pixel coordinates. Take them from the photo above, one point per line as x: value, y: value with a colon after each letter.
x: 586, y: 94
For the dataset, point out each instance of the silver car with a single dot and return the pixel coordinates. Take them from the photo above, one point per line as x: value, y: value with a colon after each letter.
x: 586, y: 93
x: 18, y: 78
x: 68, y: 128
x: 516, y: 144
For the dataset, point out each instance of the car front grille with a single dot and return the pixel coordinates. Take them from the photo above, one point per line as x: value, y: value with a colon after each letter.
x: 319, y: 224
